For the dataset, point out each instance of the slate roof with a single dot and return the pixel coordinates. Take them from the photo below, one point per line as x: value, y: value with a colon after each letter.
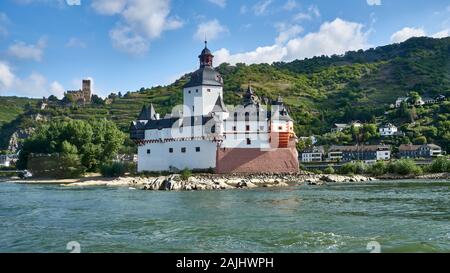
x: 205, y: 76
x: 410, y: 147
x: 362, y: 148
x: 219, y: 106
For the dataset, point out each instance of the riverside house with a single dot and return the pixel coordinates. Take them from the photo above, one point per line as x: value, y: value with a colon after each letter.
x: 313, y: 154
x: 366, y: 153
x: 8, y: 160
x: 388, y: 130
x: 5, y: 161
x: 339, y: 127
x: 419, y: 151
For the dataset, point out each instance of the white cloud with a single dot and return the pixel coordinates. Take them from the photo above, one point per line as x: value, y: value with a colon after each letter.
x: 35, y: 85
x: 267, y: 54
x: 290, y: 5
x: 141, y: 21
x: 220, y: 3
x: 22, y: 50
x: 57, y: 89
x: 334, y: 37
x: 75, y: 43
x: 149, y: 17
x: 126, y: 40
x: 287, y: 32
x: 211, y: 29
x: 406, y: 33
x: 311, y: 13
x: 6, y: 76
x: 73, y: 2
x: 109, y: 7
x: 260, y: 8
x: 374, y: 2
x: 442, y: 34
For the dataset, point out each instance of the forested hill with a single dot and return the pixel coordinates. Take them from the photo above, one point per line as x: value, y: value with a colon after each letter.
x: 319, y: 91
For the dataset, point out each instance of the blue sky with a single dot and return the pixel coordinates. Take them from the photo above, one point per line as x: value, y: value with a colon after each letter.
x: 48, y: 46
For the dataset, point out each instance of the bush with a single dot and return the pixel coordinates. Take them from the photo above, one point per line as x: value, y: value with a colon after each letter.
x: 404, y: 167
x: 60, y: 166
x: 329, y: 170
x: 349, y: 168
x: 116, y: 169
x: 185, y: 174
x: 440, y: 165
x: 361, y: 168
x: 353, y: 168
x: 377, y: 169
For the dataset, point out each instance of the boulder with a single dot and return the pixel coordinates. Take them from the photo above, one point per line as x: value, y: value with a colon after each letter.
x: 251, y: 185
x: 223, y: 185
x: 281, y: 184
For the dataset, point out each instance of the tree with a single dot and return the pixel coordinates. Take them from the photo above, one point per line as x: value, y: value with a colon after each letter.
x: 97, y: 100
x: 413, y: 114
x: 420, y: 140
x: 304, y: 144
x: 89, y: 142
x: 52, y: 98
x: 414, y: 97
x: 69, y: 97
x: 403, y: 111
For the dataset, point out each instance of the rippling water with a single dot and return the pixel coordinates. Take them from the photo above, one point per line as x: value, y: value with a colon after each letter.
x: 403, y: 216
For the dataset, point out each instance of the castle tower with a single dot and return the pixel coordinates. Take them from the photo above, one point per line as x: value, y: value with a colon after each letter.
x: 206, y: 85
x: 86, y: 89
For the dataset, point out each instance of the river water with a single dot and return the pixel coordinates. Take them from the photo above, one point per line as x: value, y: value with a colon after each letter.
x: 400, y: 216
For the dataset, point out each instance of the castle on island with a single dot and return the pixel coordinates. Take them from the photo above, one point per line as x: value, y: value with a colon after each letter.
x: 205, y: 134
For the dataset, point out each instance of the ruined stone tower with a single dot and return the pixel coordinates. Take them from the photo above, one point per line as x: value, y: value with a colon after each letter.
x: 86, y: 89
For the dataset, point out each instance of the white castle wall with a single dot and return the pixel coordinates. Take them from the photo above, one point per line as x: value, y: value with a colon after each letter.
x: 200, y: 100
x: 160, y: 158
x: 236, y: 134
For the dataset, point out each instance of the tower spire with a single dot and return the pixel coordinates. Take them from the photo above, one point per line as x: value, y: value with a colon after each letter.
x: 206, y: 58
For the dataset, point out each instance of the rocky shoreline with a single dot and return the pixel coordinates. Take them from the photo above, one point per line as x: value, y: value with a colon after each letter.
x: 222, y: 182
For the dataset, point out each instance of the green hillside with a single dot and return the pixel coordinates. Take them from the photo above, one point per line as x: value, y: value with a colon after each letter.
x: 12, y: 107
x: 319, y: 91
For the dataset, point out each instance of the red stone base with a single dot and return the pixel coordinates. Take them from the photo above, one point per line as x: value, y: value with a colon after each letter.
x: 236, y: 160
